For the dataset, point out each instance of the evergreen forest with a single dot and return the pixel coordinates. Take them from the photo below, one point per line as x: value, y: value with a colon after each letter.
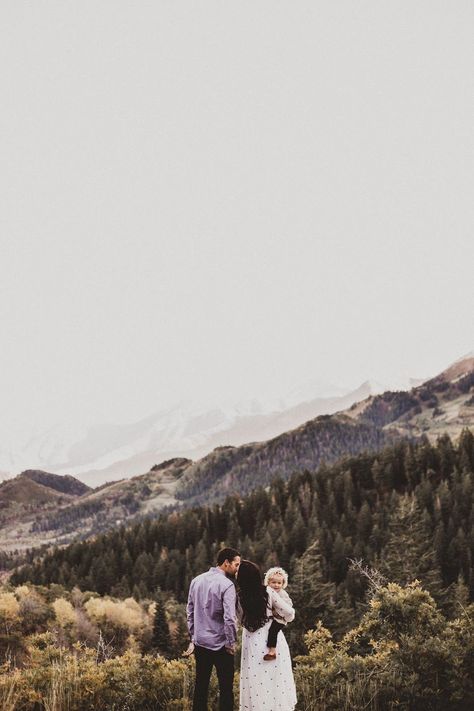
x: 405, y: 511
x: 379, y: 550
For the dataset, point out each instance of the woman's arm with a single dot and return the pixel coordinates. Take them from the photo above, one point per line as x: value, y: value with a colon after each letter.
x: 280, y: 606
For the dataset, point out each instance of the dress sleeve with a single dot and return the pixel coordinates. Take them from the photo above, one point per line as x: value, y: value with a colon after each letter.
x: 280, y: 606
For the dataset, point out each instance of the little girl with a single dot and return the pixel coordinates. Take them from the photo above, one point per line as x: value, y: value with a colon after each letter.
x: 277, y: 579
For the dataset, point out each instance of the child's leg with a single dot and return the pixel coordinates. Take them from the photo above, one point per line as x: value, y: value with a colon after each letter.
x: 275, y: 627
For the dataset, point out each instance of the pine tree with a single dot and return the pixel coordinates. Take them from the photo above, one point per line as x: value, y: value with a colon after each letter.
x: 446, y: 455
x: 161, y: 639
x: 312, y: 596
x: 458, y: 596
x: 364, y: 521
x: 408, y: 554
x: 466, y: 450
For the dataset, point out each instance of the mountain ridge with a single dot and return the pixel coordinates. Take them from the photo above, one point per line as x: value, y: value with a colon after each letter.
x: 441, y: 404
x: 105, y: 452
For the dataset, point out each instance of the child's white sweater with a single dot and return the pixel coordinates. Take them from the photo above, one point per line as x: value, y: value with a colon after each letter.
x: 283, y: 594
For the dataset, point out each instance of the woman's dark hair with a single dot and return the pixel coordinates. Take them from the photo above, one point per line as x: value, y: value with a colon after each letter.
x: 253, y: 596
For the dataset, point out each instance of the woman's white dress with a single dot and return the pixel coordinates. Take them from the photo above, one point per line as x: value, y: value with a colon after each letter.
x: 267, y: 686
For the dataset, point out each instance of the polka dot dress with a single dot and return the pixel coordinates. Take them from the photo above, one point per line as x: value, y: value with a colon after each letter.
x: 265, y: 686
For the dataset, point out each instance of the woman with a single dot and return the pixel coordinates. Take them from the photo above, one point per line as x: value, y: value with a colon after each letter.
x: 264, y: 685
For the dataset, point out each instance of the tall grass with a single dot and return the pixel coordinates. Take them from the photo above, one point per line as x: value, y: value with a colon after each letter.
x: 8, y: 693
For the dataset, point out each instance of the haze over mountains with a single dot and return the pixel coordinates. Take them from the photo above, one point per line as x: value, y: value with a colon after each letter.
x: 112, y: 451
x: 37, y: 507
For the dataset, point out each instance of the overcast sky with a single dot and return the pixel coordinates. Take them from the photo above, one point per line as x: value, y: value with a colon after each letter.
x: 230, y: 199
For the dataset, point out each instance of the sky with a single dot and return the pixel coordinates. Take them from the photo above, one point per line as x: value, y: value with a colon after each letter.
x: 208, y: 199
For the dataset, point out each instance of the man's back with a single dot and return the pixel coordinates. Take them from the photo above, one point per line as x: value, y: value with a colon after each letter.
x: 211, y: 610
x: 212, y: 626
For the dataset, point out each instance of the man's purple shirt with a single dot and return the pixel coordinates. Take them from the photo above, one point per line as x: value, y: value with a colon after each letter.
x: 211, y: 610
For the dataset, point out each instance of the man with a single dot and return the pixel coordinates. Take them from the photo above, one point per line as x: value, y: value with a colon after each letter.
x: 211, y: 614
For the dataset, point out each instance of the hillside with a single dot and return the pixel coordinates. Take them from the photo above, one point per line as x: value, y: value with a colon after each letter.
x: 29, y: 497
x: 240, y: 469
x: 106, y: 452
x: 444, y: 404
x: 102, y: 453
x: 179, y: 481
x: 66, y: 484
x: 34, y: 514
x: 34, y: 489
x: 38, y: 508
x: 27, y: 493
x: 407, y: 510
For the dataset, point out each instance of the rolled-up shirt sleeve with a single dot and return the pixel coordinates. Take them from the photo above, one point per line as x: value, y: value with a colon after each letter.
x: 230, y: 622
x: 190, y: 612
x: 281, y: 607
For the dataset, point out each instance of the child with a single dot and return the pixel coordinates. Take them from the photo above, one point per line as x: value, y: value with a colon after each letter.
x: 277, y: 579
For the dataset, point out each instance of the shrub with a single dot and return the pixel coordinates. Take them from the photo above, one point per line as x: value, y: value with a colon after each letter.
x: 403, y: 655
x: 61, y: 680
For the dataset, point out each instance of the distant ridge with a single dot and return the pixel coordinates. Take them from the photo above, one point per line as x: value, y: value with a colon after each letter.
x: 443, y: 404
x: 38, y: 507
x: 66, y: 483
x: 241, y: 469
x: 110, y: 452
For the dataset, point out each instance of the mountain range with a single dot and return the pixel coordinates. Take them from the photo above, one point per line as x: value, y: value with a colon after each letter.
x: 38, y: 508
x: 105, y: 452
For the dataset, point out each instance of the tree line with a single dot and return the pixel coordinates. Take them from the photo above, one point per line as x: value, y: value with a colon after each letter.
x: 405, y: 510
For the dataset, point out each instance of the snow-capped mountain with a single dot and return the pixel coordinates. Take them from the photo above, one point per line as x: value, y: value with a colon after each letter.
x: 104, y: 452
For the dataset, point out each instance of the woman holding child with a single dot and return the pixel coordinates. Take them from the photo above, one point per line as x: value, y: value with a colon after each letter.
x: 266, y: 676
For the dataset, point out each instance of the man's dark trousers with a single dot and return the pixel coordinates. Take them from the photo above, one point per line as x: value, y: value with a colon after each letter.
x: 224, y: 664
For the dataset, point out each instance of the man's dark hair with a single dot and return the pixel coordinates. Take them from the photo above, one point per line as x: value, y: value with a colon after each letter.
x: 227, y: 554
